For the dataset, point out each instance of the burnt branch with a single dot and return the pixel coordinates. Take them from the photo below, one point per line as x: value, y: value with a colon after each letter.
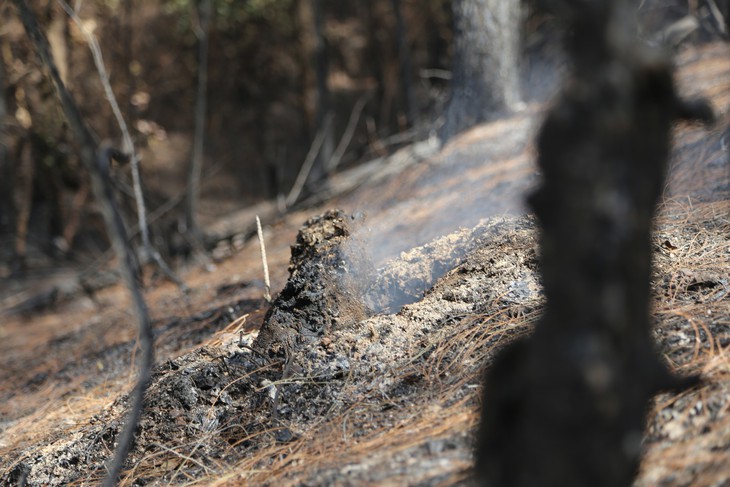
x: 97, y: 161
x: 566, y: 407
x: 131, y: 273
x: 205, y: 12
x: 128, y: 147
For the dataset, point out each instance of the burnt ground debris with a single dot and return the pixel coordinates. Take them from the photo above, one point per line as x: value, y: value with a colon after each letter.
x: 227, y: 393
x: 397, y: 383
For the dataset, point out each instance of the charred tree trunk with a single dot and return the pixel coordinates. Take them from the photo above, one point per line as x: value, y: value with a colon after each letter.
x: 567, y: 406
x: 485, y: 73
x: 127, y: 58
x: 6, y: 173
x: 205, y: 9
x: 315, y: 48
x: 404, y: 58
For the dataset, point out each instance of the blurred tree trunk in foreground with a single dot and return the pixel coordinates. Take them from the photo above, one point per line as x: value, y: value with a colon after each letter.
x: 567, y: 406
x: 485, y: 73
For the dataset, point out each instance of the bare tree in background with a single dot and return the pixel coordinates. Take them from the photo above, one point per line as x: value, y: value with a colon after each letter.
x: 485, y: 79
x: 205, y: 9
x: 312, y: 13
x: 404, y: 58
x: 128, y: 57
x: 6, y: 211
x: 128, y: 147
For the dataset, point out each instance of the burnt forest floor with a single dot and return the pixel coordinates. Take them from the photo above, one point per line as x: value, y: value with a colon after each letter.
x: 426, y: 273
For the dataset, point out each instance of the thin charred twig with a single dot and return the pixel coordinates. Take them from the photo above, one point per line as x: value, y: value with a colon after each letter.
x: 243, y: 346
x: 97, y: 163
x: 264, y: 262
x: 308, y: 164
x: 349, y: 132
x: 721, y: 21
x: 286, y: 373
x: 146, y: 339
x: 127, y: 145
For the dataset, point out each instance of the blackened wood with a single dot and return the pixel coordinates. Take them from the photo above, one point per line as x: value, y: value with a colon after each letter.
x: 485, y: 71
x: 567, y: 406
x: 205, y: 12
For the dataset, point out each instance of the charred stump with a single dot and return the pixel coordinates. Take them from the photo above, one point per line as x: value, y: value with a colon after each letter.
x: 566, y: 407
x: 319, y: 293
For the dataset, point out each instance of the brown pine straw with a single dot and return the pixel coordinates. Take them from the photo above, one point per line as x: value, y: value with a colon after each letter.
x: 453, y: 364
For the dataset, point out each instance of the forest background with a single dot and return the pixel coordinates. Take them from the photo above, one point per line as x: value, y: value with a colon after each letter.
x: 368, y: 77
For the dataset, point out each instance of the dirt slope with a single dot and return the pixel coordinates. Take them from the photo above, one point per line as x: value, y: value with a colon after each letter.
x: 384, y: 395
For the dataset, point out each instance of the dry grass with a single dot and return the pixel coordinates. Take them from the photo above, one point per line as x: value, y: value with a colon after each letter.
x: 372, y: 430
x: 59, y: 419
x: 688, y: 438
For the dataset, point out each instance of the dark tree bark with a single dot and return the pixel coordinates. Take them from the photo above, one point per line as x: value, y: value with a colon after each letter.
x: 128, y: 57
x: 205, y: 10
x: 567, y: 406
x: 485, y: 73
x: 321, y: 64
x: 404, y: 58
x: 6, y: 172
x: 319, y: 59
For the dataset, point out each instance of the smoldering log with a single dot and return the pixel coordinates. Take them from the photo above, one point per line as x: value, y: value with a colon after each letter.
x: 319, y: 293
x: 566, y: 407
